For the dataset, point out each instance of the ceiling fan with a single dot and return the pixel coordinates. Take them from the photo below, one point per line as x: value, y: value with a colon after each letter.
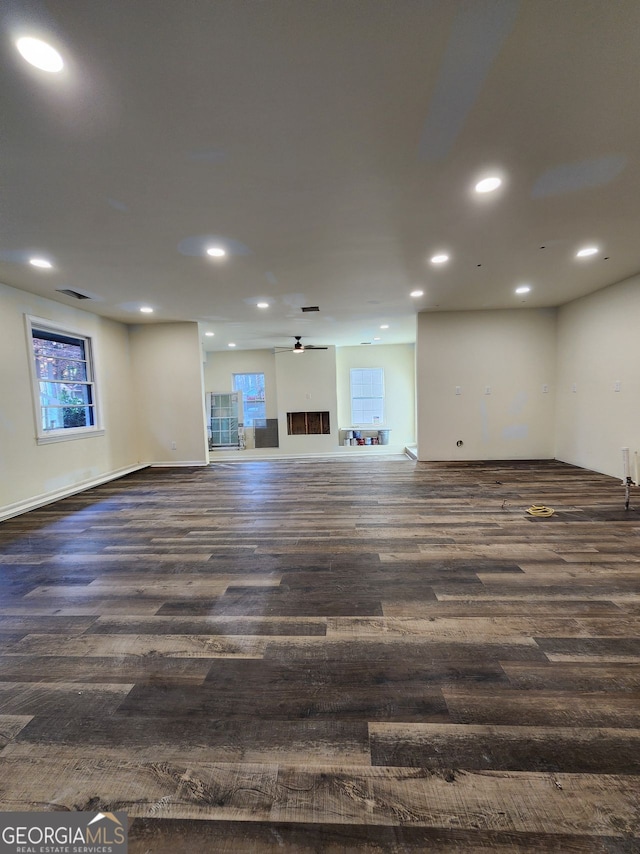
x: 298, y: 347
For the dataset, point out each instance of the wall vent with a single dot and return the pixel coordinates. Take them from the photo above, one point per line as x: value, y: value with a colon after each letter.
x: 69, y: 293
x: 310, y: 308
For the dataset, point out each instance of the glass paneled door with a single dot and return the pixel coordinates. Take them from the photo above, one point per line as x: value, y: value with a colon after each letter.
x: 223, y: 420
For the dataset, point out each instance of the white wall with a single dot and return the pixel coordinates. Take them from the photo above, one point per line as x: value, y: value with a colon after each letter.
x: 29, y: 472
x: 319, y: 381
x: 598, y: 346
x: 220, y: 368
x: 293, y: 383
x: 307, y: 383
x: 511, y: 351
x: 151, y: 390
x: 169, y: 388
x: 398, y: 362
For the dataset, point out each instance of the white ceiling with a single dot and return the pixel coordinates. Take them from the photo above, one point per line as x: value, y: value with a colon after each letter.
x: 331, y: 146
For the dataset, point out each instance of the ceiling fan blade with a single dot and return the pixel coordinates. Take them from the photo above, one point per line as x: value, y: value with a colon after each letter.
x: 298, y: 347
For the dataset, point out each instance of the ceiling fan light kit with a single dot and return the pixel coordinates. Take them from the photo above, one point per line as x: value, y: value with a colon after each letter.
x: 299, y: 347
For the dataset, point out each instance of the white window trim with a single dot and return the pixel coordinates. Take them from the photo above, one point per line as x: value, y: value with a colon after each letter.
x: 47, y: 437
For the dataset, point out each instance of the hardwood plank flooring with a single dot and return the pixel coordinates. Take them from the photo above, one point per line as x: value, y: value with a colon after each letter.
x: 223, y: 837
x: 10, y: 726
x: 574, y: 750
x: 194, y: 738
x: 328, y: 655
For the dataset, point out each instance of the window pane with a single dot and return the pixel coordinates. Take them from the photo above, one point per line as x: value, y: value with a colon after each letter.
x: 65, y: 389
x: 62, y: 417
x: 49, y: 368
x: 367, y: 396
x: 64, y: 394
x: 58, y: 349
x: 253, y: 396
x: 253, y: 411
x: 367, y: 411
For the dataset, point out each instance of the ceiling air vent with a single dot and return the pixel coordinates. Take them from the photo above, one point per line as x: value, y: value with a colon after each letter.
x: 69, y: 293
x: 310, y: 308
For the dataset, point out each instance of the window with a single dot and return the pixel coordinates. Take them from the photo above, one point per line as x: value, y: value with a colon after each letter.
x: 253, y: 399
x: 64, y: 383
x: 367, y: 396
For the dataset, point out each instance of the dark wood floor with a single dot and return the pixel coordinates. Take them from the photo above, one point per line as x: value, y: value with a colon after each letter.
x: 329, y: 656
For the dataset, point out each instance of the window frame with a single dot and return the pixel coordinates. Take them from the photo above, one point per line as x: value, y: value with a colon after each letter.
x: 381, y: 398
x: 62, y: 434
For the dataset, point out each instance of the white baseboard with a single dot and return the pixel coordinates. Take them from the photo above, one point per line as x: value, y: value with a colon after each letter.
x: 355, y: 452
x: 19, y: 507
x: 181, y: 464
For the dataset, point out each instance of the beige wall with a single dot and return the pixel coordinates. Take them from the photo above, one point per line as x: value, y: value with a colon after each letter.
x: 29, y: 472
x: 169, y: 388
x: 599, y: 346
x: 398, y: 362
x: 319, y: 380
x: 151, y: 390
x: 513, y: 353
x: 307, y: 383
x: 220, y: 368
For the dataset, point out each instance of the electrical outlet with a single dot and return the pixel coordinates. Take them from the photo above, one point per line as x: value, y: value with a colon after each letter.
x: 545, y: 388
x: 617, y: 386
x: 574, y: 387
x: 458, y: 390
x: 173, y: 446
x: 487, y: 389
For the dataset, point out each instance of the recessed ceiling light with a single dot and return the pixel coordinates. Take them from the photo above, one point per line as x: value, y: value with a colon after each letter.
x: 417, y: 293
x: 384, y: 326
x: 40, y: 54
x: 231, y: 344
x: 523, y: 289
x: 488, y: 185
x: 41, y: 262
x: 209, y: 334
x: 442, y: 258
x: 263, y: 305
x: 377, y: 339
x: 216, y: 252
x: 588, y: 250
x: 146, y: 309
